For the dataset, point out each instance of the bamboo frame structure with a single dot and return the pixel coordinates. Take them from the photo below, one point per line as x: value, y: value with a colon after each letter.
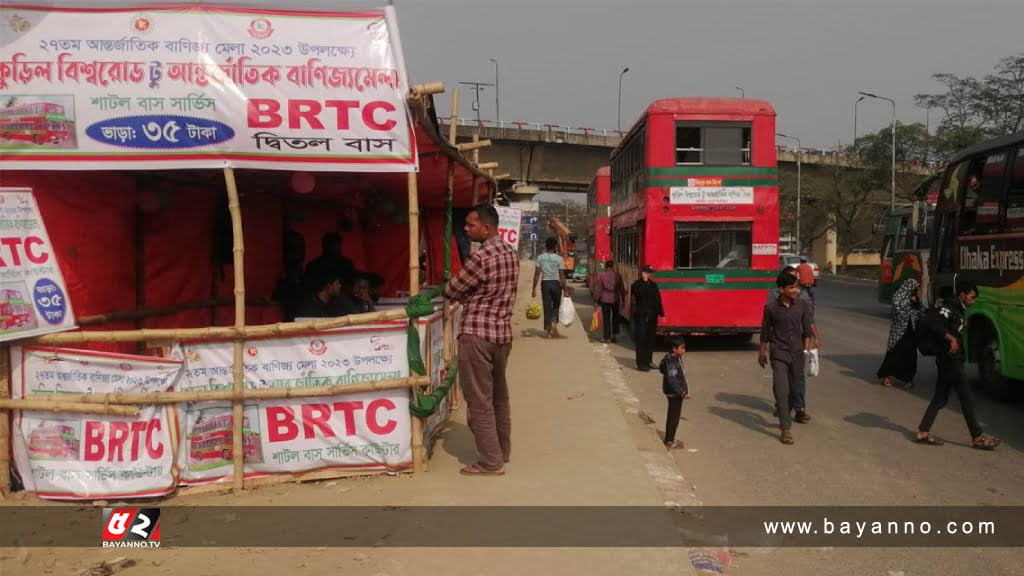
x: 129, y: 398
x: 5, y: 422
x: 127, y: 404
x: 238, y: 369
x: 40, y: 405
x: 418, y: 453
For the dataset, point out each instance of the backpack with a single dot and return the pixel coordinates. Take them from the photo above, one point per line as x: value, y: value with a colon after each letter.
x: 930, y: 323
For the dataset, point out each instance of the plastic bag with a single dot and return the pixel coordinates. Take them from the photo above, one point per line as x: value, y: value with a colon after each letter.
x: 595, y: 321
x: 812, y: 363
x: 566, y: 312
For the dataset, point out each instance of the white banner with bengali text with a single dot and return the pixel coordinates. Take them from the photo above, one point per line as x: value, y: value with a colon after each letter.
x: 193, y: 86
x: 509, y: 222
x: 34, y: 299
x: 86, y: 457
x: 708, y: 195
x: 359, y: 431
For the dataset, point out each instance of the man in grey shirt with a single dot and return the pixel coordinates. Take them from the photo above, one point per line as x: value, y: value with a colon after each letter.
x: 786, y: 327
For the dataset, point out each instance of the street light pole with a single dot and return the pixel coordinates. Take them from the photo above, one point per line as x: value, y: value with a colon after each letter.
x: 623, y: 73
x: 892, y: 200
x: 855, y: 104
x: 497, y: 92
x: 799, y: 151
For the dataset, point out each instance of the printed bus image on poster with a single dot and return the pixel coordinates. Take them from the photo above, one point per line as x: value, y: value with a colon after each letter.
x: 33, y: 296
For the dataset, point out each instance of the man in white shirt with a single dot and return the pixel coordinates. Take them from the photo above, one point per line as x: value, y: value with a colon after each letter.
x: 550, y: 275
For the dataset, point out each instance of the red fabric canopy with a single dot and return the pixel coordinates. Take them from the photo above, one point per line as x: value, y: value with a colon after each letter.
x: 176, y: 224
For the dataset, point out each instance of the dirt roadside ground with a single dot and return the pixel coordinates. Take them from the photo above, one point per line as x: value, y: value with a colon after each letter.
x: 576, y: 442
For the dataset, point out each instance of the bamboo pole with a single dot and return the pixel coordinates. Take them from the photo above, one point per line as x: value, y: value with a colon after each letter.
x: 427, y: 89
x: 146, y: 312
x: 504, y: 176
x: 216, y: 333
x: 475, y: 145
x: 447, y: 314
x: 488, y: 165
x: 238, y: 380
x: 150, y: 398
x: 420, y: 461
x: 453, y: 119
x: 414, y: 289
x: 5, y: 422
x: 34, y: 405
x: 414, y: 235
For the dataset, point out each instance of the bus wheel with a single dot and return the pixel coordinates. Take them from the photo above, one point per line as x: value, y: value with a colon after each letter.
x: 990, y: 367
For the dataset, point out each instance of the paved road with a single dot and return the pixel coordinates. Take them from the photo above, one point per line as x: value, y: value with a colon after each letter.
x: 857, y: 451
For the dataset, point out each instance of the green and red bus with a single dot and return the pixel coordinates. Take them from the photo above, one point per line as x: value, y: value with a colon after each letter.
x: 906, y: 236
x: 979, y: 236
x: 695, y: 195
x: 599, y: 207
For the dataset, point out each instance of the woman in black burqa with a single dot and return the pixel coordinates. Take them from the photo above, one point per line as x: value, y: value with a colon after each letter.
x: 900, y: 361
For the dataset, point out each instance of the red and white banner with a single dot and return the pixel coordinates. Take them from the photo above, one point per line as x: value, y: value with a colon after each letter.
x: 86, y: 457
x: 194, y: 86
x: 365, y: 431
x: 33, y: 296
x: 509, y: 224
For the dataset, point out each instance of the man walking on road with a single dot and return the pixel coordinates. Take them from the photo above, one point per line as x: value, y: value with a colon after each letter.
x: 609, y: 293
x: 646, y: 310
x: 486, y: 286
x: 786, y: 328
x: 799, y: 404
x: 947, y: 327
x: 550, y: 274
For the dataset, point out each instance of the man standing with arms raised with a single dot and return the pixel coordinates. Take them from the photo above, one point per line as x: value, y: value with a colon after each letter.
x: 486, y: 286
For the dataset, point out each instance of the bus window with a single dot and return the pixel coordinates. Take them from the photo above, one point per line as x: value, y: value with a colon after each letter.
x: 712, y: 245
x: 1015, y: 194
x: 990, y: 192
x: 951, y: 189
x: 688, y: 145
x: 718, y: 145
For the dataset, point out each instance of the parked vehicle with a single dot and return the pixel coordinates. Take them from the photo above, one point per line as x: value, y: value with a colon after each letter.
x: 794, y: 261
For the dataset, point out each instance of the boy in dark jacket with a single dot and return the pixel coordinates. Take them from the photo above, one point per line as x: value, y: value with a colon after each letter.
x: 673, y: 384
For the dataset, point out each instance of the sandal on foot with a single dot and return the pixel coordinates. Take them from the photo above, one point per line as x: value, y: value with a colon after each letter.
x: 786, y: 437
x: 802, y: 417
x: 985, y: 442
x: 928, y: 440
x: 887, y: 382
x: 674, y: 445
x: 478, y: 470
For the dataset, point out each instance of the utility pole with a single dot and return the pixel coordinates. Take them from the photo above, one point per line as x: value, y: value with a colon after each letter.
x: 477, y: 87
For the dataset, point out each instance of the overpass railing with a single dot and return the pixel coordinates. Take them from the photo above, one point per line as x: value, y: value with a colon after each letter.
x: 533, y: 127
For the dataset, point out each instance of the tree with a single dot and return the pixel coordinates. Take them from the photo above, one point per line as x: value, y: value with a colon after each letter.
x: 977, y: 109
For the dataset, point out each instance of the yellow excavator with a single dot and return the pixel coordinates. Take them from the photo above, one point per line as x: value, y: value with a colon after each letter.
x: 566, y: 244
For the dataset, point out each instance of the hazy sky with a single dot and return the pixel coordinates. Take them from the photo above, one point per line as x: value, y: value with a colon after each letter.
x: 560, y: 60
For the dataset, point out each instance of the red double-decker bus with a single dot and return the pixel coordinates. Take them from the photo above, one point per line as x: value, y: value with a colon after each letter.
x: 39, y: 122
x: 695, y: 195
x: 211, y: 439
x: 599, y: 207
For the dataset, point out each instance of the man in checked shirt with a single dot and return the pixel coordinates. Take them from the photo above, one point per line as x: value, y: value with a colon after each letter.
x: 486, y: 286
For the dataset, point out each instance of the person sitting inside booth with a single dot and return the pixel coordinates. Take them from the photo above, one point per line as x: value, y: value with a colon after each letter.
x: 319, y: 299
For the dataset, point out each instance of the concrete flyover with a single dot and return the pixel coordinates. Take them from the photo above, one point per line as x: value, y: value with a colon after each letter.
x: 565, y: 158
